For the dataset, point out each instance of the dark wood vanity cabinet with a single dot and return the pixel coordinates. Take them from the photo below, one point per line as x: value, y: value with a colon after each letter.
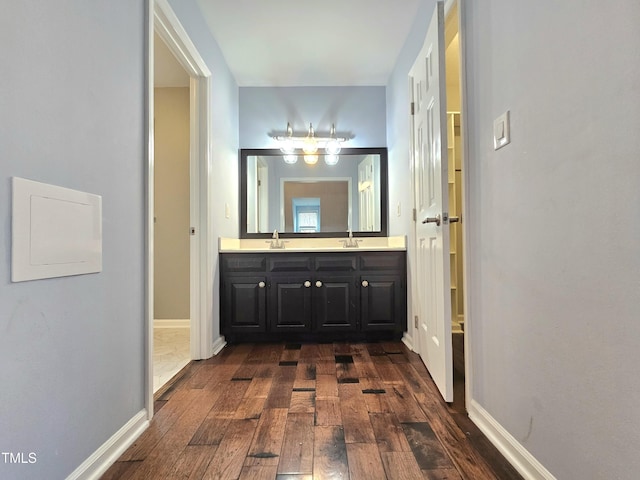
x: 314, y: 296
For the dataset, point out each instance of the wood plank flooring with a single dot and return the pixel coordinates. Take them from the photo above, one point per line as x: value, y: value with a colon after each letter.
x: 312, y: 411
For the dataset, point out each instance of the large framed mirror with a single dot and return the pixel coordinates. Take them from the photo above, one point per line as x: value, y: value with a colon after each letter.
x: 313, y: 196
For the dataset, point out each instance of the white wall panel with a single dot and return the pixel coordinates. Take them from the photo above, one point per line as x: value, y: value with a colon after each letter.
x: 56, y: 231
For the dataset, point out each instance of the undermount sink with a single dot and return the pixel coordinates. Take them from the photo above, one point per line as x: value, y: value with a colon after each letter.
x: 311, y: 244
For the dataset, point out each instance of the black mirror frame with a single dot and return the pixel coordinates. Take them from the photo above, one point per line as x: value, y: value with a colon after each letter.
x: 384, y: 191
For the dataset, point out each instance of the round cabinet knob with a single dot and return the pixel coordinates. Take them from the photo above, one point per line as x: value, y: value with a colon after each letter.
x: 318, y: 284
x: 365, y: 283
x: 261, y: 284
x: 307, y: 284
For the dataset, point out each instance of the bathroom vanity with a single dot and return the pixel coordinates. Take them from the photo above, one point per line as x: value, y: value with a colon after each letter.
x: 313, y: 289
x: 313, y: 261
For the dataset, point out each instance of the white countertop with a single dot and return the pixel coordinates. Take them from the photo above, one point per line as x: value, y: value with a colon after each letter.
x: 256, y: 245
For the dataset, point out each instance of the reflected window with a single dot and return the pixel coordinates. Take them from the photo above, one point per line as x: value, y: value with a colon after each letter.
x: 306, y: 215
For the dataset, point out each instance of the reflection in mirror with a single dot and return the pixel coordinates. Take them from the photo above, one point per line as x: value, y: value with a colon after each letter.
x: 327, y: 198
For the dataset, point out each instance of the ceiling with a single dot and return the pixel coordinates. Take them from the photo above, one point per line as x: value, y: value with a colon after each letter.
x: 310, y: 43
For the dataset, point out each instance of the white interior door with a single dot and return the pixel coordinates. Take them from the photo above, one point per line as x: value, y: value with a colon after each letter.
x: 431, y: 201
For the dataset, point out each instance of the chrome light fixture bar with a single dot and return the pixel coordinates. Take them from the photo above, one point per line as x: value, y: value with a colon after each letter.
x: 309, y: 143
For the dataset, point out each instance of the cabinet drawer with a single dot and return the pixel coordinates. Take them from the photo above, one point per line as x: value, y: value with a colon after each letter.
x: 244, y: 263
x: 290, y: 263
x: 382, y: 261
x: 336, y: 263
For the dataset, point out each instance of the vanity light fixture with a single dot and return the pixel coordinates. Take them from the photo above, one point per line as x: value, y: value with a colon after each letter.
x: 310, y: 144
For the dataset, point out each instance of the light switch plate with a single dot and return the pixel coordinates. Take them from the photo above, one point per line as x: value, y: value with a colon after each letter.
x: 501, y: 131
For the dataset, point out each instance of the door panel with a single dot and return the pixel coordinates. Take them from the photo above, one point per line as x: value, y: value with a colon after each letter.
x: 431, y: 199
x: 335, y: 306
x: 290, y: 303
x: 379, y: 296
x: 245, y: 304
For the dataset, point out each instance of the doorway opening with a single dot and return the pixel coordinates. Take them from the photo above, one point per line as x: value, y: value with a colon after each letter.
x: 455, y: 180
x: 171, y: 217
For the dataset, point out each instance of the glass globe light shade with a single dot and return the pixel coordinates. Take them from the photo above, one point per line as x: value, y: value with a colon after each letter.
x: 331, y: 159
x: 310, y: 145
x: 290, y: 159
x: 287, y: 146
x: 311, y: 159
x: 333, y: 147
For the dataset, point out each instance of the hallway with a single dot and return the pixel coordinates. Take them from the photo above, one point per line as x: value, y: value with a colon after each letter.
x: 290, y: 411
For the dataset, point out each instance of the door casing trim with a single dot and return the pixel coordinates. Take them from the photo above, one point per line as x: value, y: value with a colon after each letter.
x: 163, y: 21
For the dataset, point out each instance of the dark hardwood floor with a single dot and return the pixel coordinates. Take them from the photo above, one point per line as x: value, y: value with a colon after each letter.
x: 312, y: 411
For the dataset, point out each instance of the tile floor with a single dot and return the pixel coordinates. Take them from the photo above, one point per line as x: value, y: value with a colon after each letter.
x: 170, y: 354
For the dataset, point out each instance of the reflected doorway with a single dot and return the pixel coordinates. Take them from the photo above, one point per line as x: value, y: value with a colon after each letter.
x: 319, y: 205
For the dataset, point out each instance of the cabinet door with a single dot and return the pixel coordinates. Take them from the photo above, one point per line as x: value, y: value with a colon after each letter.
x: 381, y: 302
x: 335, y: 305
x: 245, y: 304
x: 290, y: 303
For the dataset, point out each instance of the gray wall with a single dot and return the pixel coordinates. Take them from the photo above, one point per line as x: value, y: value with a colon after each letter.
x: 72, y: 99
x: 72, y: 349
x: 555, y: 229
x: 360, y: 111
x: 554, y: 272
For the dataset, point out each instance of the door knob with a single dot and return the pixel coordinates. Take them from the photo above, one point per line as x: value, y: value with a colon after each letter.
x: 454, y: 219
x: 318, y: 284
x: 307, y: 284
x: 435, y: 220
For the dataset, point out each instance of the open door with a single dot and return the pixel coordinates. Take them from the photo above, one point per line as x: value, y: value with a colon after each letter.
x: 427, y: 79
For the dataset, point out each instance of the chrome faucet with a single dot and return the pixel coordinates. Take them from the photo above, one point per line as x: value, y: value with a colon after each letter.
x: 275, y: 240
x: 351, y: 242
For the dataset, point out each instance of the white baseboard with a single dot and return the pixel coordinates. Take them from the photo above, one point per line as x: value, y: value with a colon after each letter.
x: 171, y: 323
x: 513, y: 451
x: 100, y: 461
x: 218, y: 345
x: 408, y: 341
